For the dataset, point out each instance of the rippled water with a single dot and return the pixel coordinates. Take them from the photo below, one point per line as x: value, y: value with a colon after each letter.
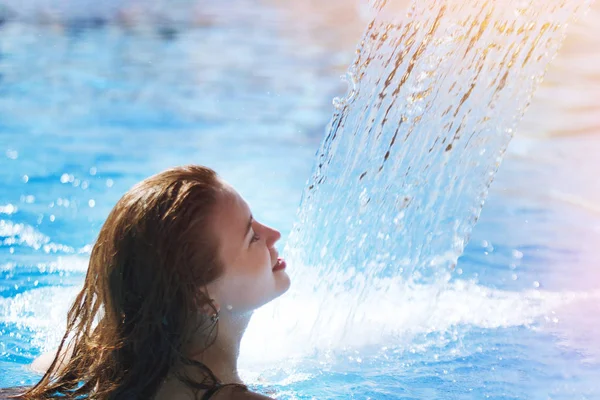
x: 85, y: 113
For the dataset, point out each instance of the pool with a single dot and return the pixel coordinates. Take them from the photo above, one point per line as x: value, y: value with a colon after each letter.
x: 87, y: 111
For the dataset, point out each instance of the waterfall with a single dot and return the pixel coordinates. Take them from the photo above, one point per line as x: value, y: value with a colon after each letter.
x: 402, y: 174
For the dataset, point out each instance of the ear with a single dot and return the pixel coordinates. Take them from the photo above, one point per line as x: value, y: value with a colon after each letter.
x: 212, y: 307
x: 205, y: 304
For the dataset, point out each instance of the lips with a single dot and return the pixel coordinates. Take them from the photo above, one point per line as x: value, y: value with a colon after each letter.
x: 279, y: 265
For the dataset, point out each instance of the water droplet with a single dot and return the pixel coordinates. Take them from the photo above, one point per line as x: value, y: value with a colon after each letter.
x: 352, y: 85
x: 92, y: 203
x: 517, y: 254
x: 323, y: 251
x: 350, y: 79
x: 93, y: 171
x: 29, y: 199
x: 338, y: 103
x: 364, y: 200
x: 12, y: 154
x: 109, y: 183
x: 399, y: 217
x: 8, y: 209
x: 25, y: 178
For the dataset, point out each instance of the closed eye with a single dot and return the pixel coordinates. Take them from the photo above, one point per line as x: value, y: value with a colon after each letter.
x: 254, y: 238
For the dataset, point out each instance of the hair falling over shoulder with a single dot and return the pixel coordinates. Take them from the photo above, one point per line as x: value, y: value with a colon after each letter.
x: 129, y: 325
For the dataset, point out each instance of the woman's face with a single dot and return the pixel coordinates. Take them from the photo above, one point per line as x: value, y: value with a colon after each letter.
x: 247, y: 250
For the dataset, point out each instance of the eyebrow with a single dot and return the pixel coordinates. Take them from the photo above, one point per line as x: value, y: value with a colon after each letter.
x: 248, y: 226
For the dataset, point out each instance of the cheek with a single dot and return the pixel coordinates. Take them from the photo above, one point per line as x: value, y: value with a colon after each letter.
x: 245, y: 294
x: 256, y: 262
x: 247, y: 288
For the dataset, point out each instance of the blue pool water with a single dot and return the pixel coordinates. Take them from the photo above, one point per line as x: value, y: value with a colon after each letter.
x: 86, y: 113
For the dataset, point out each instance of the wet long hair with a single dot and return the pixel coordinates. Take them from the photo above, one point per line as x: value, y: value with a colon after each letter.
x: 129, y: 326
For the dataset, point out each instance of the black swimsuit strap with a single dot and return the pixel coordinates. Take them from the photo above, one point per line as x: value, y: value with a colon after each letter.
x: 211, y: 391
x: 217, y: 387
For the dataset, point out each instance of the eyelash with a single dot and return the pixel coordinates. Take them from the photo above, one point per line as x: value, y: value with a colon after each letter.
x: 255, y: 238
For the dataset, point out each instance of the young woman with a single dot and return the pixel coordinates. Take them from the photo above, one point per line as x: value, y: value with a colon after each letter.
x: 177, y: 270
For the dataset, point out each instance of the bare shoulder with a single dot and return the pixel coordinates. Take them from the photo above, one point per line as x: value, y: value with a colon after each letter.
x: 251, y: 396
x: 172, y: 389
x: 236, y: 394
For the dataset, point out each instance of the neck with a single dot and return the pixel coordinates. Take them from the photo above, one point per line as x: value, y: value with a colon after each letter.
x: 221, y: 357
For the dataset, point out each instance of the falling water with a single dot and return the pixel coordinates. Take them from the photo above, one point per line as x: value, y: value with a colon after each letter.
x: 434, y: 98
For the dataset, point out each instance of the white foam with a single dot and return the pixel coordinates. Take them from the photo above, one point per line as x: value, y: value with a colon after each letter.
x: 304, y: 322
x: 71, y: 263
x: 44, y: 311
x: 22, y: 234
x: 8, y: 209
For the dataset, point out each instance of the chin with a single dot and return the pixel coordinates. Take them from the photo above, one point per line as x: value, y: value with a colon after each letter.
x: 282, y: 284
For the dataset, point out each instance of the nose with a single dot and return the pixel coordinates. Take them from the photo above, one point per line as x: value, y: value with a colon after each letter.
x: 273, y: 235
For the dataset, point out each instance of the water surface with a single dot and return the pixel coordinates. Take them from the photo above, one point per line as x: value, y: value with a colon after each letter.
x: 86, y: 113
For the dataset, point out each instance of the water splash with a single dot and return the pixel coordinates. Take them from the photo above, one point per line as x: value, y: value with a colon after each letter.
x: 12, y: 234
x: 403, y: 312
x: 340, y: 102
x: 26, y: 236
x: 398, y: 313
x: 404, y: 170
